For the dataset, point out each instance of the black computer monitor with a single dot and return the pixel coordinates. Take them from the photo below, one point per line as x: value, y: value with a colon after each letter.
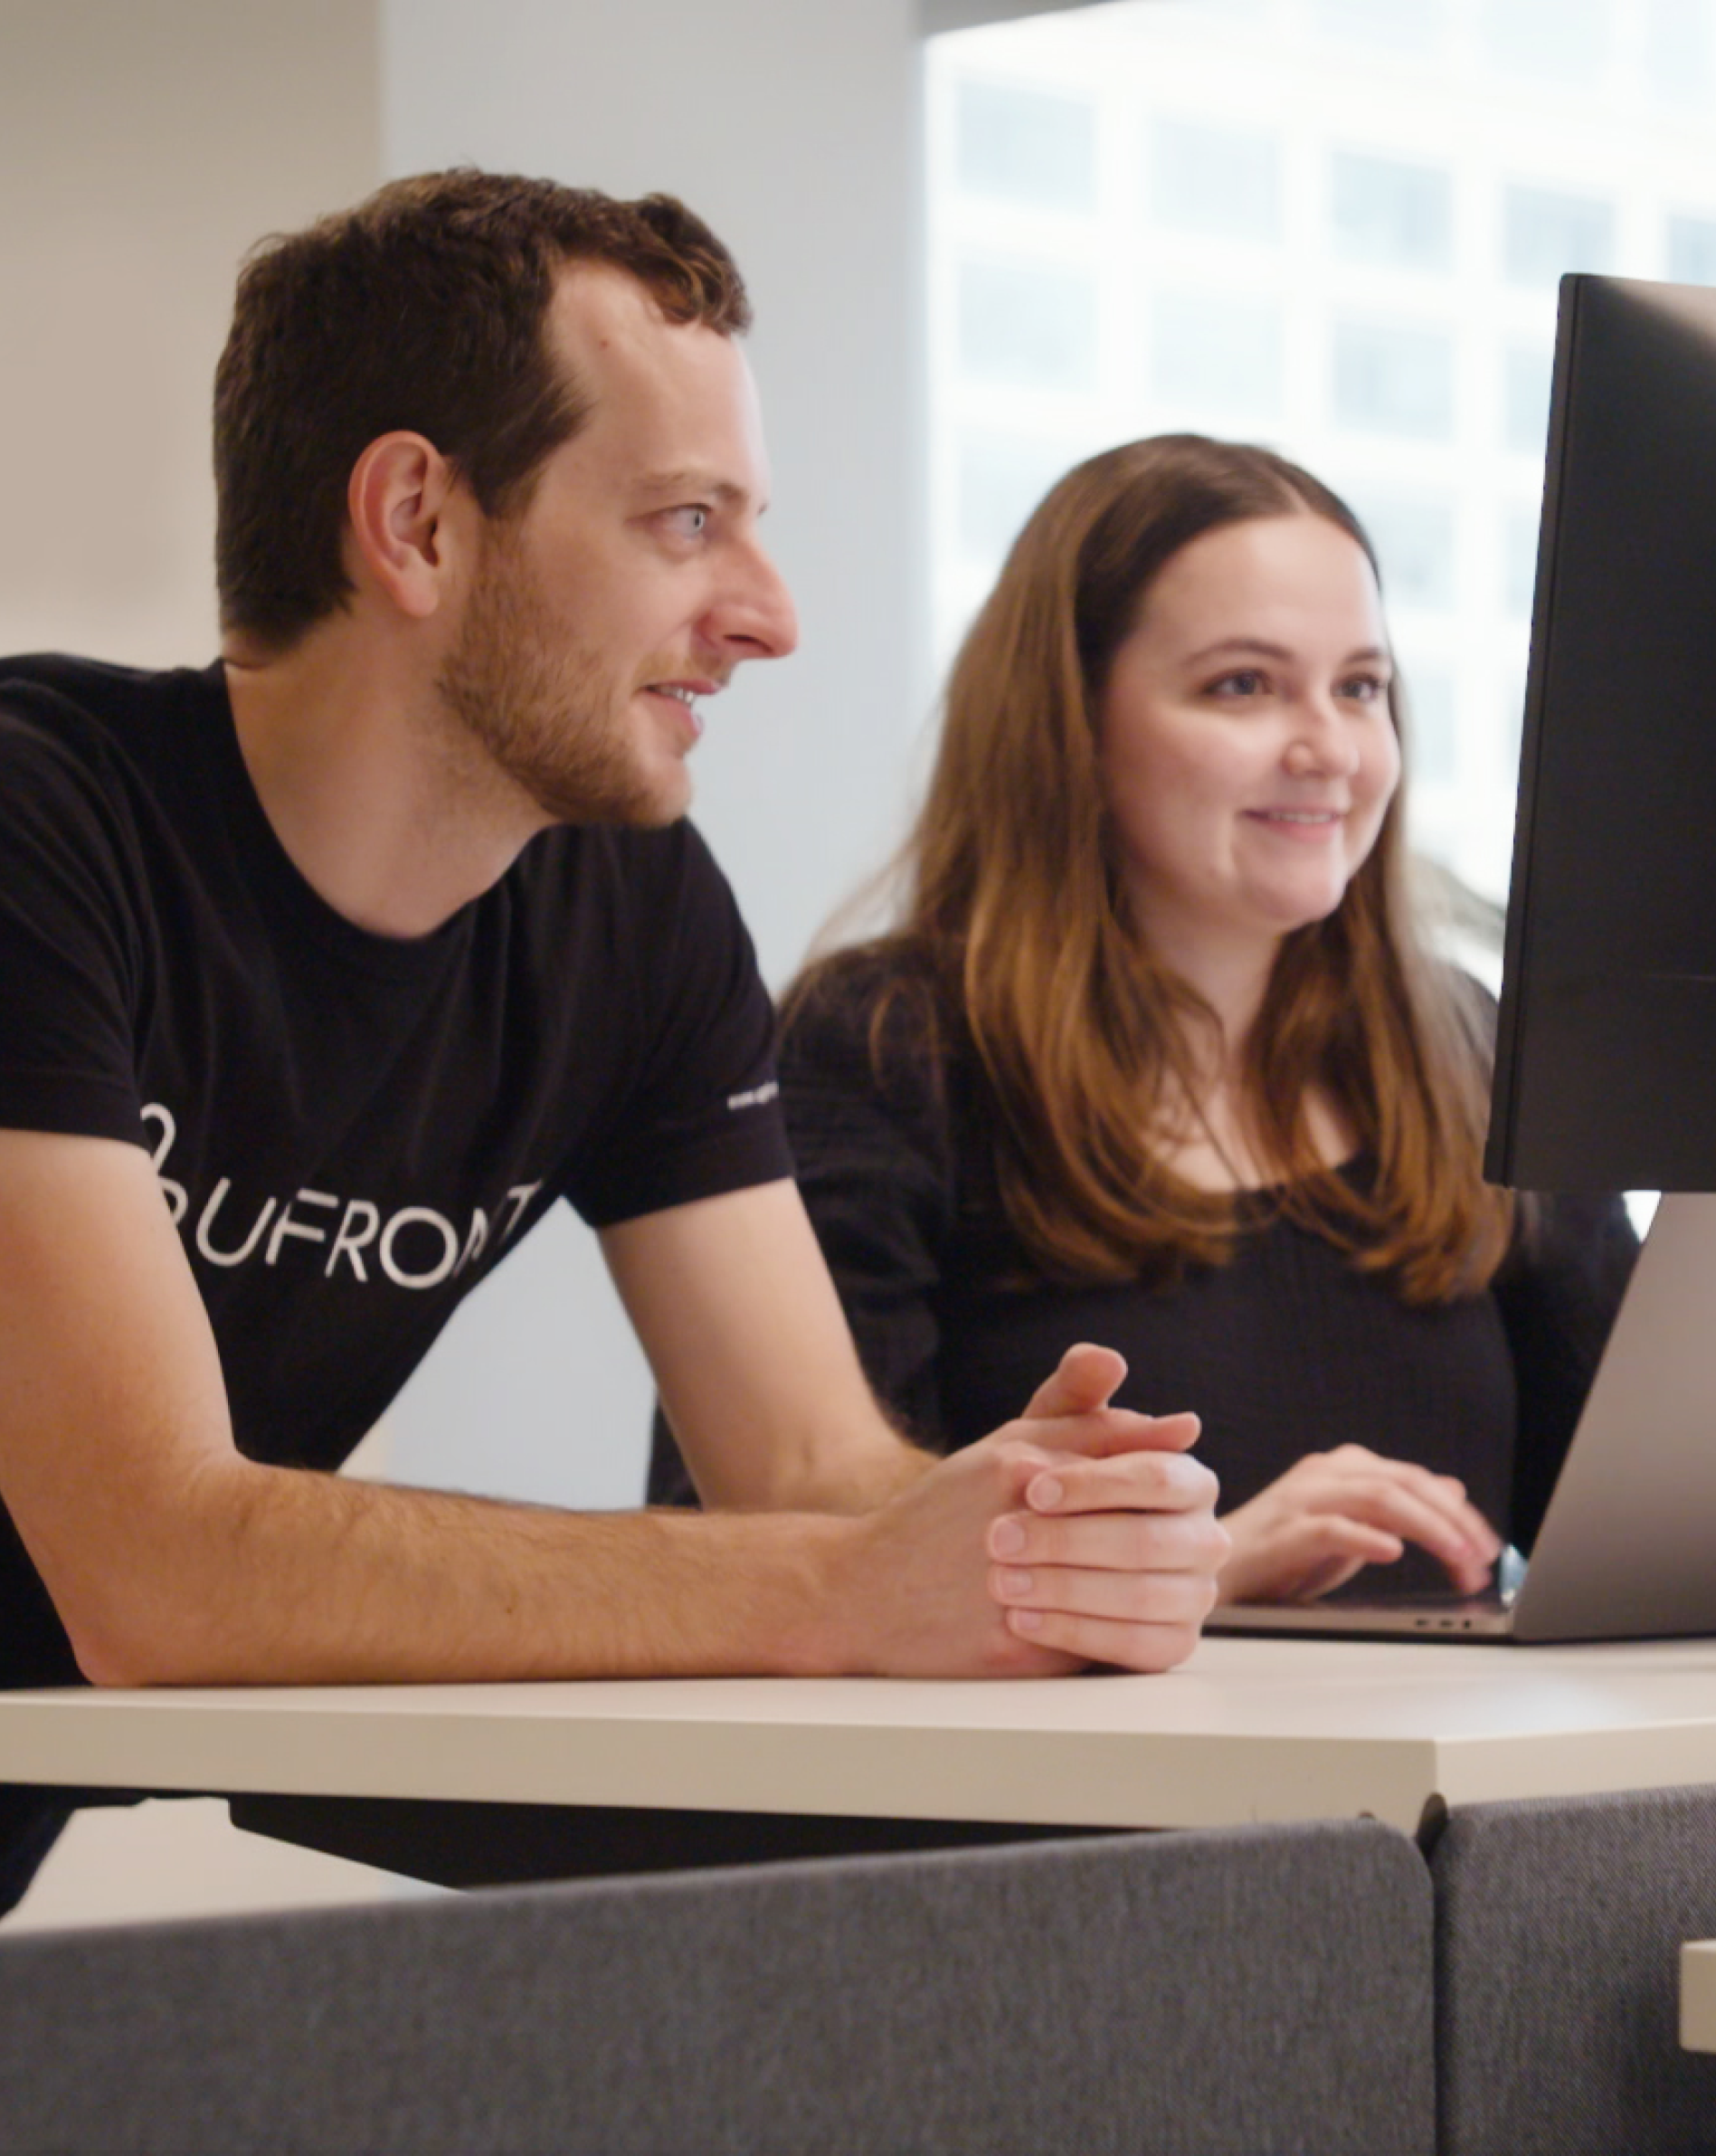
x: 1606, y: 1052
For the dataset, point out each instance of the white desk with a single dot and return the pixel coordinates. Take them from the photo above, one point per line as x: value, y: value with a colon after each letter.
x: 1249, y: 1730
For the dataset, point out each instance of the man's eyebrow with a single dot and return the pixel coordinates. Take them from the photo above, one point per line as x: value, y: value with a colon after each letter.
x: 689, y: 480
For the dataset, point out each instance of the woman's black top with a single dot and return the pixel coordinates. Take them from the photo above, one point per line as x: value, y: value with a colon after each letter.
x: 1288, y: 1348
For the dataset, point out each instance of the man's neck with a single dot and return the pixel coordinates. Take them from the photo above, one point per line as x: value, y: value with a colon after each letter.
x: 384, y: 806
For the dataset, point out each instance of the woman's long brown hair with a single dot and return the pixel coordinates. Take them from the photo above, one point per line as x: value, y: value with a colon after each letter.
x: 1014, y: 921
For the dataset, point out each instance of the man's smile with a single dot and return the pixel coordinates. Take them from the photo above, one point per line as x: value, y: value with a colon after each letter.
x: 684, y: 693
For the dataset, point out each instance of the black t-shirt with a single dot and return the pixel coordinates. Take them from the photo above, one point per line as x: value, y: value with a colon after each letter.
x: 1289, y: 1348
x: 350, y: 1130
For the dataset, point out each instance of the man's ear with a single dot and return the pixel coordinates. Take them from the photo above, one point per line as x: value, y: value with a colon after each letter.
x: 408, y: 523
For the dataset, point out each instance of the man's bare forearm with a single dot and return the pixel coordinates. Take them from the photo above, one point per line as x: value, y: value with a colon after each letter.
x: 275, y: 1574
x: 251, y: 1574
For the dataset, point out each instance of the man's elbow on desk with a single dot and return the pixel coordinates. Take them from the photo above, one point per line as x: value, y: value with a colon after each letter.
x: 168, y: 1599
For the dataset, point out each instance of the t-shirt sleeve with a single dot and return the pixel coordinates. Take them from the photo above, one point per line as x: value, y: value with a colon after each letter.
x: 71, y: 952
x: 702, y: 1113
x: 1558, y: 1294
x: 875, y: 1165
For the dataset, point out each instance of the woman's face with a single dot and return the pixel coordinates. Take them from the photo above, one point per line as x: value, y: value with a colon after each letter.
x: 1244, y: 737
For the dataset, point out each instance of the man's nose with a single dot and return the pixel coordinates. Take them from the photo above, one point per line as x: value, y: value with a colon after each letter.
x: 757, y: 618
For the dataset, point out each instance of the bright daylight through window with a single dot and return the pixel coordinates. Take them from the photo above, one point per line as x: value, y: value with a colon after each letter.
x: 1334, y: 226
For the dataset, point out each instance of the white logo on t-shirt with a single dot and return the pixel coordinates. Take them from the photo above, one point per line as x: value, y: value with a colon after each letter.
x: 435, y: 1248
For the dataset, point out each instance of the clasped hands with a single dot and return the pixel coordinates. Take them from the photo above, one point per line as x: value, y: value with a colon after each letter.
x: 1100, y: 1534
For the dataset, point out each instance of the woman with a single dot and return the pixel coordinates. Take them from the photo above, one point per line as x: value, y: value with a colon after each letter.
x: 1156, y: 1058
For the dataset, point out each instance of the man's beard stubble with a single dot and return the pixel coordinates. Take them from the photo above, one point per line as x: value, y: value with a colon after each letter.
x: 540, y: 707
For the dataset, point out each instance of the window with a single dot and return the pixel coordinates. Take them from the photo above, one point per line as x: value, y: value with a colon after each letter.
x: 1026, y: 146
x: 1394, y: 380
x: 1034, y: 328
x: 1382, y: 212
x: 1528, y: 372
x: 1544, y: 233
x: 1217, y: 356
x: 1433, y: 754
x: 1208, y: 180
x: 1001, y: 479
x: 1679, y: 49
x: 1549, y: 41
x: 1334, y: 226
x: 1692, y: 249
x: 1415, y: 545
x: 1510, y: 713
x: 1407, y: 25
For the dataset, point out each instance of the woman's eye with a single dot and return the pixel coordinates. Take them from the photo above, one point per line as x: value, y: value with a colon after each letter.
x: 1363, y: 688
x: 1246, y: 682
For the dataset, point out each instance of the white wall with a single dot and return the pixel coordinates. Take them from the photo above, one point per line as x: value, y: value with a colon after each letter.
x: 793, y: 127
x: 144, y: 145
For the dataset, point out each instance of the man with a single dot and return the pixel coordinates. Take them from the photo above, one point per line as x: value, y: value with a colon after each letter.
x: 363, y: 946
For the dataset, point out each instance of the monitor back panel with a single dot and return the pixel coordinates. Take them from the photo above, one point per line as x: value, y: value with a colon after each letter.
x: 1606, y: 1074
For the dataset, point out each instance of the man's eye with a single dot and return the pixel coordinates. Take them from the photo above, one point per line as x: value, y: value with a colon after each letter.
x: 691, y: 520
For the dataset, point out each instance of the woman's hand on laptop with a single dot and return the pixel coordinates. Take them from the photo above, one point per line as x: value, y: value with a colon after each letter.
x: 1334, y: 1513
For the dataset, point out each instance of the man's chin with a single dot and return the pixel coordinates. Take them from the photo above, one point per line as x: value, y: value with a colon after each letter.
x: 650, y: 806
x: 660, y: 815
x: 667, y: 800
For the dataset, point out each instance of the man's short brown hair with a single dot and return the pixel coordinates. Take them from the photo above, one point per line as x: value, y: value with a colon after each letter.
x: 423, y: 309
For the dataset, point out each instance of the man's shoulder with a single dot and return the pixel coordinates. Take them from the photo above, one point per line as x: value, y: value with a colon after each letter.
x: 96, y: 686
x: 88, y: 709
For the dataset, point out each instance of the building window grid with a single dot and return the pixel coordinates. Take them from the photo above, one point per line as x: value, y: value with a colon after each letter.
x: 1277, y: 76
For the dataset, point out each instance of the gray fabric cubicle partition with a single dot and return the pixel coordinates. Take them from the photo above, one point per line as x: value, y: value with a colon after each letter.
x: 1236, y: 1993
x: 1558, y: 1927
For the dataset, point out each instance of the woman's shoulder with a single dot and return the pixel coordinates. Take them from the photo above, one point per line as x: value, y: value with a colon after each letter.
x: 874, y: 1034
x: 878, y: 1007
